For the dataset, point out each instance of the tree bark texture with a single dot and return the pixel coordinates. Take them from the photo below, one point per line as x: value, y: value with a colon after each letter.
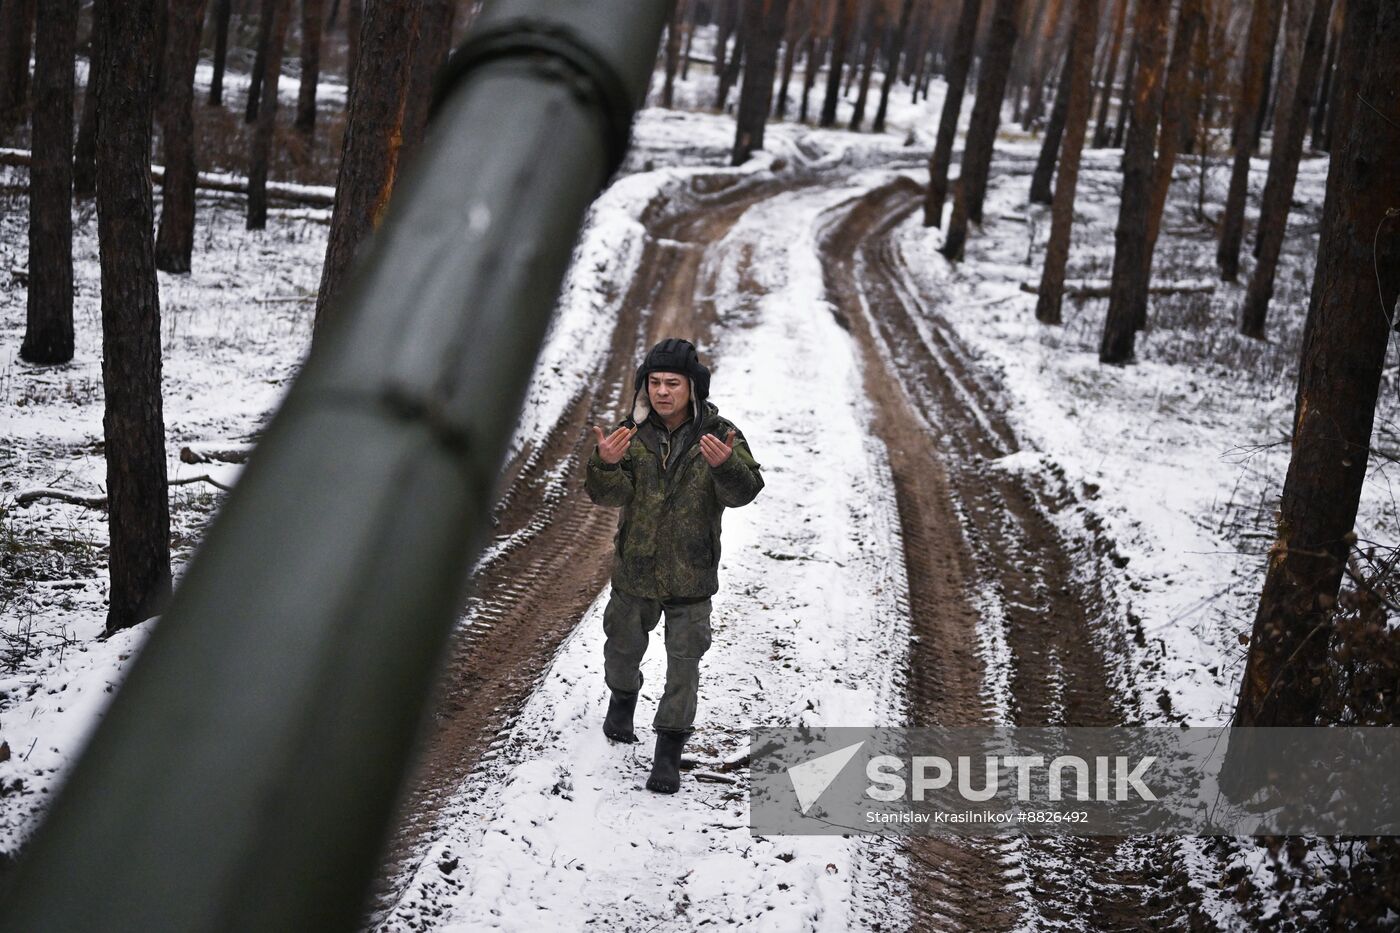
x: 373, y: 134
x: 960, y: 62
x: 85, y: 147
x: 311, y: 16
x: 429, y: 54
x: 1263, y: 27
x: 267, y: 115
x: 48, y: 334
x: 133, y: 421
x: 892, y: 66
x: 175, y: 241
x: 673, y: 54
x: 1291, y: 129
x: 1041, y: 192
x: 982, y: 128
x: 267, y: 13
x: 16, y: 35
x: 765, y: 22
x: 1079, y: 94
x: 223, y: 9
x: 841, y: 38
x: 1115, y: 50
x: 875, y: 30
x: 1130, y: 251
x: 1344, y: 344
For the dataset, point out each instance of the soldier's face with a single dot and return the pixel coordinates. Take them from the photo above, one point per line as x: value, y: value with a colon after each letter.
x: 669, y: 392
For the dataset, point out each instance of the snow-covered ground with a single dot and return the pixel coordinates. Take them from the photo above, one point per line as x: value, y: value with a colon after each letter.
x: 556, y: 827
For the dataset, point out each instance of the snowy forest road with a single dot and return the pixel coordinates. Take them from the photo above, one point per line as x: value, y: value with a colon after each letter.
x: 1047, y: 661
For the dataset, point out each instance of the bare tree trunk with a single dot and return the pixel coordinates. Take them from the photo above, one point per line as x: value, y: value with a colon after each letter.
x: 875, y: 29
x: 691, y: 6
x: 1121, y: 123
x: 1268, y: 86
x: 175, y: 241
x: 1079, y: 95
x: 726, y: 14
x: 763, y: 28
x: 790, y: 43
x: 133, y: 422
x: 1130, y: 252
x: 429, y: 54
x: 942, y: 156
x: 1324, y: 95
x: 1054, y: 130
x: 1295, y: 27
x: 845, y: 13
x: 892, y: 66
x: 982, y: 129
x: 1263, y: 26
x: 354, y: 22
x: 85, y: 148
x: 673, y: 53
x: 223, y: 9
x: 266, y: 14
x: 1291, y: 129
x: 816, y: 52
x: 730, y: 76
x: 48, y: 334
x: 1344, y: 345
x: 1176, y: 108
x: 311, y: 15
x: 1049, y: 29
x: 369, y: 154
x: 267, y: 115
x: 16, y: 34
x: 1101, y: 126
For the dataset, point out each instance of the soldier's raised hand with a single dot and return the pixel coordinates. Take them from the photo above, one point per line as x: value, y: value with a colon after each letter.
x: 613, y: 447
x: 716, y: 451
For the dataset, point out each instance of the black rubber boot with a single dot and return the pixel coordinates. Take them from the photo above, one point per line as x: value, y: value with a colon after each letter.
x: 666, y: 762
x: 617, y: 725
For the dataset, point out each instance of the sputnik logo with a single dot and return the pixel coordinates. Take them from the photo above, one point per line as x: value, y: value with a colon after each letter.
x: 810, y: 779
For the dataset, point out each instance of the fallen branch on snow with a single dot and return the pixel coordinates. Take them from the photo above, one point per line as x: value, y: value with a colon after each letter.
x: 1097, y: 290
x: 214, y: 455
x: 100, y: 502
x: 315, y: 195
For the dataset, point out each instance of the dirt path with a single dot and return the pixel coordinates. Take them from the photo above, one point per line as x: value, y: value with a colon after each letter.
x: 554, y: 544
x: 972, y: 525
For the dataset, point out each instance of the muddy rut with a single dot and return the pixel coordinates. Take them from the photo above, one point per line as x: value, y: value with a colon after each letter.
x: 971, y: 524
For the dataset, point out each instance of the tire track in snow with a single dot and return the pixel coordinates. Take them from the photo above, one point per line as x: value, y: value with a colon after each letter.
x: 810, y: 626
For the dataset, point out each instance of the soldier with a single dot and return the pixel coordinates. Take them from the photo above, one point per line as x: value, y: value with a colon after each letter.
x: 673, y: 466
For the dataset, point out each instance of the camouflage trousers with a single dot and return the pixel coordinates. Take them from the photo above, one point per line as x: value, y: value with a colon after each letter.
x: 627, y: 622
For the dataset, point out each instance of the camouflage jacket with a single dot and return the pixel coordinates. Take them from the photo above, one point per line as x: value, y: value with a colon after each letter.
x: 667, y: 541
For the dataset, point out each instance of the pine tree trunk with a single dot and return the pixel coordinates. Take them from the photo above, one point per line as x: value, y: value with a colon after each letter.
x: 1295, y: 27
x: 373, y: 132
x: 1079, y: 95
x: 1101, y: 126
x: 1130, y: 253
x: 48, y: 334
x: 790, y: 43
x: 726, y: 12
x: 1263, y: 26
x: 266, y: 15
x: 1344, y: 345
x: 689, y: 38
x: 1054, y: 130
x: 223, y: 9
x: 16, y: 34
x: 1050, y: 28
x: 816, y: 53
x: 982, y: 129
x: 673, y: 54
x: 765, y: 21
x: 1176, y: 110
x: 942, y: 156
x: 133, y: 421
x: 845, y: 13
x: 730, y: 76
x: 311, y: 15
x: 1266, y: 90
x: 175, y: 241
x: 874, y: 31
x: 354, y: 23
x: 267, y: 115
x: 1283, y: 174
x: 1324, y: 95
x: 1121, y: 123
x: 85, y: 148
x: 429, y: 54
x: 892, y: 66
